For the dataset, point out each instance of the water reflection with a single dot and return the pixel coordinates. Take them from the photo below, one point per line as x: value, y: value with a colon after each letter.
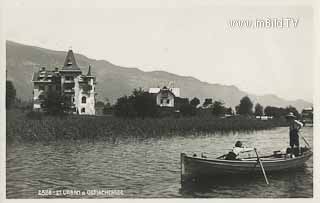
x: 146, y: 168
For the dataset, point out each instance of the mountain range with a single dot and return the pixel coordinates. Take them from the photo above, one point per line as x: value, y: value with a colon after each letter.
x: 114, y: 81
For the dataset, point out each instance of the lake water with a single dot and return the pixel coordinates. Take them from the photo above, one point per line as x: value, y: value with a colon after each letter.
x: 144, y: 168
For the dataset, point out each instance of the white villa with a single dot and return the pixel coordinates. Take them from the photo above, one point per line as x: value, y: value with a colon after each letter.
x: 77, y: 90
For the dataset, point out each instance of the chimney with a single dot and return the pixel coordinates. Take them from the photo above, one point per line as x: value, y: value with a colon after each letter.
x: 56, y: 69
x: 43, y: 68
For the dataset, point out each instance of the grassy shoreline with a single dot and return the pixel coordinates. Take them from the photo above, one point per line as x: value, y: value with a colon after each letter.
x: 20, y: 128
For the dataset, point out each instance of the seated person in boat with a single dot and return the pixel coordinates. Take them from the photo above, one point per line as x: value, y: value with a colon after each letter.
x: 294, y: 127
x: 237, y: 149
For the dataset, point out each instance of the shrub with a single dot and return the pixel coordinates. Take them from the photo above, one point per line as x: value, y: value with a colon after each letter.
x: 33, y: 115
x: 188, y: 110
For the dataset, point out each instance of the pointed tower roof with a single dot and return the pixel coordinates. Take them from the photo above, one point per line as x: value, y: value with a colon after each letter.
x: 70, y: 64
x: 89, y: 71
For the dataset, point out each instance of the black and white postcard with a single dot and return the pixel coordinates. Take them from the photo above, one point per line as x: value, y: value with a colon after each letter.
x: 175, y: 99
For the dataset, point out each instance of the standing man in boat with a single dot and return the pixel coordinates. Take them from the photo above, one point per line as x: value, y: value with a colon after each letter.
x: 294, y: 127
x: 237, y: 149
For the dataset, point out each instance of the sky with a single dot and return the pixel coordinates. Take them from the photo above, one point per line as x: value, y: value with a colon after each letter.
x: 185, y: 37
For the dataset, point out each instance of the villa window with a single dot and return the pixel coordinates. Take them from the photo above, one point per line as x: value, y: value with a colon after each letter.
x: 69, y: 78
x: 84, y: 100
x: 165, y: 94
x: 83, y: 110
x: 161, y: 101
x: 68, y: 86
x: 168, y: 101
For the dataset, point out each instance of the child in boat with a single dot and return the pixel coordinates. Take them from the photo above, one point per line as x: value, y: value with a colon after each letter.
x: 294, y: 127
x: 237, y: 149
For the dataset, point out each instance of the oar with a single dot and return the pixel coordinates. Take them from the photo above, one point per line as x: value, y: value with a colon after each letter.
x: 261, y: 166
x: 304, y: 140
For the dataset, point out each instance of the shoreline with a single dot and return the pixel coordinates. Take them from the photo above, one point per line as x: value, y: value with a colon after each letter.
x: 20, y: 128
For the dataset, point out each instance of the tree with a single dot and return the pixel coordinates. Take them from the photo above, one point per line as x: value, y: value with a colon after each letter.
x: 229, y: 111
x: 178, y: 102
x: 218, y: 108
x: 124, y: 107
x: 140, y: 104
x: 272, y: 111
x: 258, y: 110
x: 107, y: 108
x: 144, y: 103
x: 10, y: 94
x: 237, y: 108
x: 195, y: 102
x: 207, y: 102
x: 245, y: 107
x: 275, y: 111
x: 53, y: 103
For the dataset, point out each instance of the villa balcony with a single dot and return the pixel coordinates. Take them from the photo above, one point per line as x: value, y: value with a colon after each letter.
x: 69, y: 81
x: 68, y: 90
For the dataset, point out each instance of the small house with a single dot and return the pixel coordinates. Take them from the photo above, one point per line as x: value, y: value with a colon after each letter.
x: 165, y: 96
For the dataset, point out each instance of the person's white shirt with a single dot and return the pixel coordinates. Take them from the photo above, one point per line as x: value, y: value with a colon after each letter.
x: 296, y: 125
x: 238, y: 150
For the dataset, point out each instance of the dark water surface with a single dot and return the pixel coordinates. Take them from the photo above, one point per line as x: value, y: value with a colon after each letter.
x: 146, y: 169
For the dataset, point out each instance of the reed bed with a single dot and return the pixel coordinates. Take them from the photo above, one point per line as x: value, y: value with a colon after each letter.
x: 20, y: 128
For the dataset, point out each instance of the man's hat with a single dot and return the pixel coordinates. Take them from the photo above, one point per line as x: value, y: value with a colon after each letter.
x: 290, y: 115
x: 238, y: 144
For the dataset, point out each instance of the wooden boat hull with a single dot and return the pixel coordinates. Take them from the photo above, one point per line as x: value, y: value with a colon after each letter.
x: 201, y: 167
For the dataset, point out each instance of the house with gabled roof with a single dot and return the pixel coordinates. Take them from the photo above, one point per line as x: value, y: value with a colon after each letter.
x: 165, y: 96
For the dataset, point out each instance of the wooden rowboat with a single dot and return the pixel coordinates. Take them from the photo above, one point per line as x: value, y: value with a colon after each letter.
x: 192, y: 167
